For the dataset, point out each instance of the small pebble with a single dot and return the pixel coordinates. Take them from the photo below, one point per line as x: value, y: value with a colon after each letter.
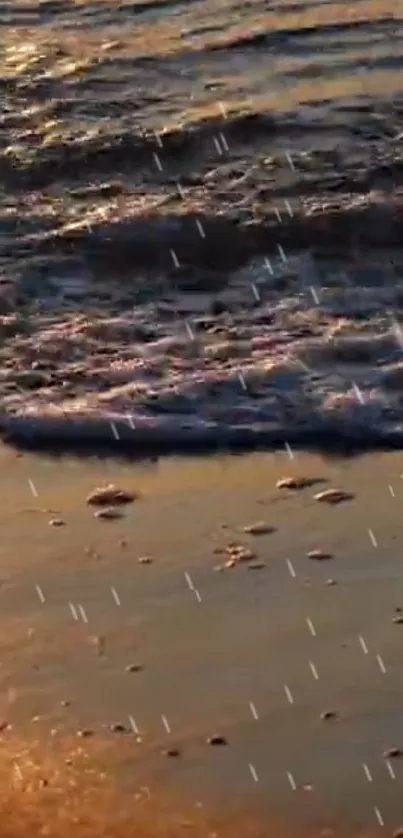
x: 65, y: 703
x: 217, y: 740
x: 256, y: 566
x: 330, y: 582
x: 398, y: 620
x: 145, y: 560
x: 108, y: 514
x: 4, y: 726
x: 259, y: 528
x: 333, y: 496
x: 328, y: 714
x: 57, y: 522
x: 172, y: 752
x: 85, y: 733
x: 294, y: 482
x: 118, y: 728
x: 134, y: 667
x: 107, y: 495
x: 319, y: 555
x: 122, y: 542
x: 398, y: 833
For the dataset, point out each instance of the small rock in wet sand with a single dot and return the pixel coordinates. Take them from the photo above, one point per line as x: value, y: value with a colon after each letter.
x: 172, y: 752
x: 398, y: 621
x: 145, y: 560
x: 57, y: 522
x: 256, y: 566
x: 398, y: 833
x: 319, y: 555
x: 259, y: 528
x: 217, y: 740
x: 108, y: 495
x: 85, y: 733
x: 295, y: 482
x: 65, y: 703
x: 330, y: 582
x: 328, y: 714
x: 118, y: 728
x: 238, y: 553
x: 393, y: 753
x: 333, y: 496
x: 4, y: 726
x: 134, y: 667
x: 108, y: 514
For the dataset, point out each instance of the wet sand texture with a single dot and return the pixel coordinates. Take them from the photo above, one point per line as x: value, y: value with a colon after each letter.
x: 200, y: 224
x: 289, y: 656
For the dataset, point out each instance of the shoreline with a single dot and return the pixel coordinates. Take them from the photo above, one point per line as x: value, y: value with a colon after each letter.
x: 115, y: 436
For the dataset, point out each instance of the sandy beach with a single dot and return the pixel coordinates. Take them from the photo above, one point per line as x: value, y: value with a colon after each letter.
x: 200, y: 251
x: 128, y: 638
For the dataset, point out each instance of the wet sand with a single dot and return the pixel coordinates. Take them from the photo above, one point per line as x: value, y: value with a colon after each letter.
x: 253, y: 654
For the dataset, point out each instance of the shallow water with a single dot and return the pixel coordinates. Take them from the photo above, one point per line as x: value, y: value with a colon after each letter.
x: 222, y: 653
x: 195, y: 173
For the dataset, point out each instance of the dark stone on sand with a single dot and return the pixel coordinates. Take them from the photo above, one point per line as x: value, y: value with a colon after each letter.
x: 328, y: 714
x: 398, y: 833
x: 217, y: 739
x: 134, y: 667
x: 109, y: 495
x: 259, y: 528
x: 85, y: 733
x: 296, y: 482
x: 333, y: 496
x: 393, y: 753
x: 118, y: 728
x: 172, y: 752
x: 398, y: 621
x: 108, y: 514
x: 319, y: 555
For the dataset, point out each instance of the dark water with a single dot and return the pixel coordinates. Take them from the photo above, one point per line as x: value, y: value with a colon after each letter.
x: 223, y: 180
